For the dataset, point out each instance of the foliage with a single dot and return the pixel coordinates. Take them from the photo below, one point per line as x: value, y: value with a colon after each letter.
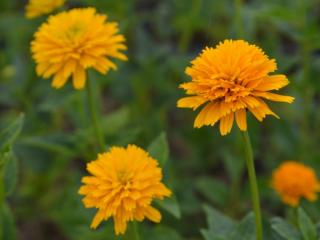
x: 46, y: 160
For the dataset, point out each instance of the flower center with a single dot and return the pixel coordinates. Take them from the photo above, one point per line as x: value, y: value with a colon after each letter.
x: 74, y: 31
x: 224, y: 90
x: 124, y: 178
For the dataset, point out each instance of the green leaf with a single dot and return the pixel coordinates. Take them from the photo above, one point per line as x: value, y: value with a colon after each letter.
x: 4, y: 158
x: 11, y: 132
x: 115, y: 121
x: 307, y: 228
x: 163, y: 233
x: 213, y: 189
x: 245, y: 230
x: 159, y: 149
x: 220, y: 226
x: 7, y: 228
x: 171, y: 205
x: 10, y: 172
x: 284, y: 229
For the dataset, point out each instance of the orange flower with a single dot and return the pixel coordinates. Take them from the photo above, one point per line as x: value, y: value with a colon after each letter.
x: 72, y: 42
x: 36, y: 8
x: 123, y: 184
x: 231, y: 79
x: 293, y: 180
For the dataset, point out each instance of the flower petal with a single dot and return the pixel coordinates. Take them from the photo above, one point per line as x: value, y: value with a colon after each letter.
x: 191, y: 102
x: 226, y: 123
x: 241, y: 119
x: 274, y: 82
x: 274, y: 97
x: 79, y: 78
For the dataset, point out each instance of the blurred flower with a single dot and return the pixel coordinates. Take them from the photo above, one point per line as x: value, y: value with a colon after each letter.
x: 71, y: 42
x: 230, y: 79
x: 8, y: 71
x: 123, y: 184
x: 293, y: 180
x: 37, y: 8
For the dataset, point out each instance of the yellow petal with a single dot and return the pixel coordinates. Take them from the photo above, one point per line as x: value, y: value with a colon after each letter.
x: 97, y: 219
x: 79, y: 78
x: 274, y: 82
x: 59, y: 80
x: 241, y: 119
x: 191, y: 102
x: 209, y: 115
x: 226, y: 123
x: 120, y: 225
x: 274, y: 97
x: 153, y: 214
x: 262, y: 110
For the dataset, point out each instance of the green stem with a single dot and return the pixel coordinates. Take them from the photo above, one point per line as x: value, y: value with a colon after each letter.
x: 253, y: 184
x: 94, y: 118
x: 238, y: 18
x: 132, y: 232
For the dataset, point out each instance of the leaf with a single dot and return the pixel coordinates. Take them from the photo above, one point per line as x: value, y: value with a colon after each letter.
x: 163, y: 233
x: 10, y: 173
x: 284, y: 229
x: 219, y: 225
x: 171, y: 205
x: 307, y: 228
x: 233, y: 165
x: 245, y: 230
x: 213, y: 189
x: 8, y: 229
x: 11, y: 132
x: 208, y: 235
x: 115, y: 121
x: 159, y: 149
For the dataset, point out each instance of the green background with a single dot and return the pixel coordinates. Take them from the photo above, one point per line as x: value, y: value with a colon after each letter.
x: 138, y: 102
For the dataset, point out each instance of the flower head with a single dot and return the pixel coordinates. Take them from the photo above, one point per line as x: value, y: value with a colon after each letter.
x: 293, y: 180
x: 123, y: 184
x: 230, y: 79
x: 37, y: 8
x: 71, y: 42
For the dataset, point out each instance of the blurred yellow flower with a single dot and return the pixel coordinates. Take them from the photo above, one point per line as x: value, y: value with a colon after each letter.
x: 37, y: 8
x: 230, y: 79
x: 71, y: 42
x: 293, y: 180
x: 123, y: 184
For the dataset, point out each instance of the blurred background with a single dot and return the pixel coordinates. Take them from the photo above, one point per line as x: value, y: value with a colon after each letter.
x: 138, y: 102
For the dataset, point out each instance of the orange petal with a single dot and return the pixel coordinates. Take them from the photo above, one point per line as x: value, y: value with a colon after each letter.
x: 226, y: 123
x: 97, y: 219
x: 153, y: 214
x: 209, y: 115
x: 274, y: 97
x: 274, y: 82
x: 191, y: 102
x: 59, y: 80
x: 241, y: 119
x: 79, y: 77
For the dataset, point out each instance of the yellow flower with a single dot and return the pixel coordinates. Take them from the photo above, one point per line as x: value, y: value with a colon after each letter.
x: 230, y: 79
x: 293, y: 180
x: 123, y: 184
x: 37, y: 8
x: 71, y: 42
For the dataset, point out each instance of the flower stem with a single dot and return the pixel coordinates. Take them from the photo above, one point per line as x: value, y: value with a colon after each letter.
x: 253, y: 184
x: 132, y: 232
x: 94, y: 118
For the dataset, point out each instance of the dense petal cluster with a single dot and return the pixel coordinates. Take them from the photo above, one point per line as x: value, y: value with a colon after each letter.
x: 231, y: 79
x: 293, y: 181
x: 123, y: 184
x: 37, y: 8
x: 73, y: 41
